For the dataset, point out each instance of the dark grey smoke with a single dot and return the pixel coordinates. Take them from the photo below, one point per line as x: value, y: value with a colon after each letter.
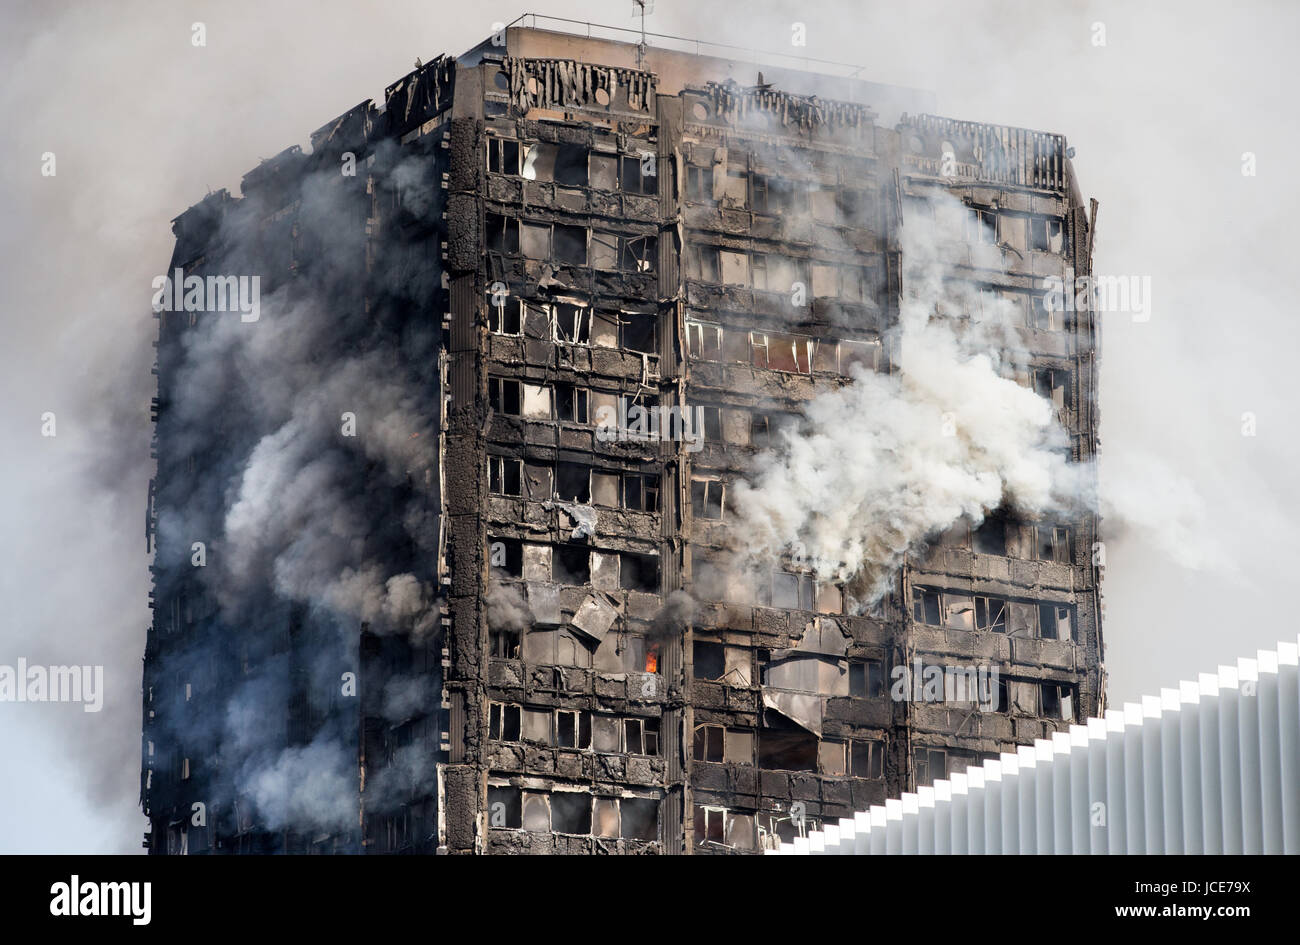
x: 301, y: 449
x: 677, y: 613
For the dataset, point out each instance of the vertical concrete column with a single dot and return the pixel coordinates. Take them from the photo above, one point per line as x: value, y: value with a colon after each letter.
x: 1011, y: 802
x: 893, y: 826
x: 960, y: 814
x: 975, y: 794
x: 1044, y: 833
x: 1080, y: 842
x: 1116, y: 799
x: 925, y: 820
x: 1288, y: 716
x: 1189, y: 750
x: 1230, y: 758
x: 1270, y: 751
x: 1098, y: 834
x: 1171, y: 772
x: 993, y: 807
x: 861, y: 832
x: 942, y: 817
x: 878, y: 844
x: 1062, y: 829
x: 911, y: 824
x: 1252, y: 796
x: 1208, y: 756
x: 1153, y: 784
x: 1027, y: 827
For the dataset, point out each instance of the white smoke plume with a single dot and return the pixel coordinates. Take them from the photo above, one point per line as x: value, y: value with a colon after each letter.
x: 1143, y: 494
x: 882, y: 464
x: 507, y: 609
x: 406, y: 697
x: 310, y: 784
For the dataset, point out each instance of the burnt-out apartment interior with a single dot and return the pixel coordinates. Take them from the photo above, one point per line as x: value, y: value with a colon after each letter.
x: 576, y: 257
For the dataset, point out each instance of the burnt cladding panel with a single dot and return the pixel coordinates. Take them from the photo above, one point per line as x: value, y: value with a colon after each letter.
x: 464, y: 342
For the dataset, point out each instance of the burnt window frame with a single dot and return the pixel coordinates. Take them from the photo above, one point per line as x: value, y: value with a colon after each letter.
x: 1055, y: 608
x: 501, y: 145
x: 1044, y: 379
x: 631, y: 325
x: 571, y: 804
x: 651, y: 834
x: 639, y: 562
x: 921, y: 612
x: 577, y: 317
x: 1054, y: 542
x: 648, y: 485
x: 499, y: 475
x: 702, y: 741
x: 577, y: 723
x: 648, y: 735
x: 982, y: 226
x: 703, y: 264
x: 696, y: 326
x: 498, y: 317
x: 774, y: 744
x: 873, y: 764
x: 504, y: 644
x: 992, y: 613
x: 499, y: 721
x: 702, y: 504
x: 1040, y: 231
x: 1053, y: 697
x: 699, y: 647
x: 501, y: 234
x: 699, y: 185
x: 514, y: 555
x: 643, y: 260
x: 580, y: 403
x: 563, y: 150
x: 634, y: 166
x: 561, y: 555
x: 1045, y: 317
x: 934, y: 766
x: 511, y: 798
x: 801, y: 351
x: 991, y: 532
x: 709, y: 824
x: 502, y: 392
x: 713, y: 421
x: 804, y: 585
x: 572, y: 474
x: 570, y: 229
x: 867, y: 678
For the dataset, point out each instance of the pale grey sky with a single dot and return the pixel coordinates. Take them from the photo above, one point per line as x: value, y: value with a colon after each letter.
x: 143, y: 124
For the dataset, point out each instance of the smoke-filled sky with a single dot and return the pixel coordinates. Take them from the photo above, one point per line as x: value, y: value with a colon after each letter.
x: 142, y: 124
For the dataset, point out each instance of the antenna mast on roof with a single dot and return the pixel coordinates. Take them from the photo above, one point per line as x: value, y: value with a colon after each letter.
x: 642, y: 7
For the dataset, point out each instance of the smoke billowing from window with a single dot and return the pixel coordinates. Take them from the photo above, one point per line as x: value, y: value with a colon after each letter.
x: 507, y: 609
x: 877, y: 467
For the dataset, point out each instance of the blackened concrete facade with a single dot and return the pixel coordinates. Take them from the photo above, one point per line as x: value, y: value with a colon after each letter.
x: 618, y: 228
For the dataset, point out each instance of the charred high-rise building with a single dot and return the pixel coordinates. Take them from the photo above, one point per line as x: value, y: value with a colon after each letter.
x: 447, y: 507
